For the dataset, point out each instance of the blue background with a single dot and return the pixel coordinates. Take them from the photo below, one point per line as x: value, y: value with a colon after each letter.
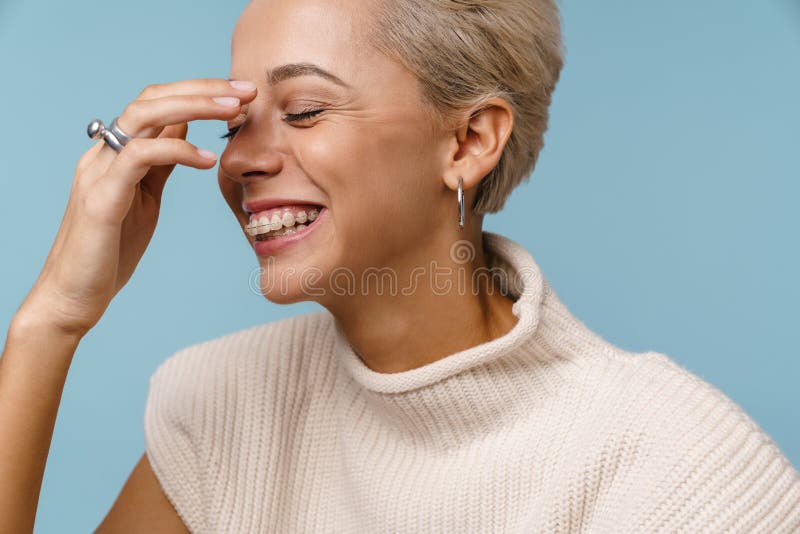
x: 663, y: 210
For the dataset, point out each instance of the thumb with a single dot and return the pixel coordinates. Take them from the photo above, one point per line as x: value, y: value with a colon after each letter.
x: 156, y: 178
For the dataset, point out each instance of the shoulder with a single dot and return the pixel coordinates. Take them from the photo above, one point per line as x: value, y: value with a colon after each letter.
x: 666, y: 405
x: 234, y: 365
x: 237, y: 365
x: 196, y: 393
x: 668, y: 399
x: 288, y: 339
x: 643, y: 390
x: 658, y: 447
x: 693, y: 459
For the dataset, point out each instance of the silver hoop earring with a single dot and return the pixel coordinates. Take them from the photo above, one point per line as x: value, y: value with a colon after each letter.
x: 460, y: 203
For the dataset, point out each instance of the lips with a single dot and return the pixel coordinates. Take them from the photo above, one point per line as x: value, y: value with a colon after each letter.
x: 256, y: 206
x: 273, y: 246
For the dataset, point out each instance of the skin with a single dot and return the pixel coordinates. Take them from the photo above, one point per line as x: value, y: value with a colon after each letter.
x: 374, y: 158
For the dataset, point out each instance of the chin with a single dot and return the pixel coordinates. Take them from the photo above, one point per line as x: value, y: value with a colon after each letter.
x: 282, y: 281
x: 278, y: 297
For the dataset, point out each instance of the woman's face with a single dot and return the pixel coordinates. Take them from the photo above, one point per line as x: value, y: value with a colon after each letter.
x: 370, y: 158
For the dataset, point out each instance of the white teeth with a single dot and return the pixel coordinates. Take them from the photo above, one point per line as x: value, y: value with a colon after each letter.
x: 280, y: 225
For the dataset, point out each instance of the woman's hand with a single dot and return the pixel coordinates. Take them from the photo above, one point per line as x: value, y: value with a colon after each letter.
x: 115, y: 200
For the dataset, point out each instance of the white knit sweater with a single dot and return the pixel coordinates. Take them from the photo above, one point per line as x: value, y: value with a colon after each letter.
x: 282, y: 428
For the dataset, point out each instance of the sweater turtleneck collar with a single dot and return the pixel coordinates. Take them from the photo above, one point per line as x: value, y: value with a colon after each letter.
x: 466, y: 394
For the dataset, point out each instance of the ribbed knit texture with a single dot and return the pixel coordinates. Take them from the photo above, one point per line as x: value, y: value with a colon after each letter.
x: 282, y: 428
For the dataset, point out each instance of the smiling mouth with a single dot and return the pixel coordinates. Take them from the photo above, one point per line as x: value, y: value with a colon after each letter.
x: 283, y: 221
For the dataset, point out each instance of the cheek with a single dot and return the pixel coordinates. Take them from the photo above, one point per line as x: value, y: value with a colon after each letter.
x: 371, y: 164
x: 380, y: 182
x: 400, y: 175
x: 326, y: 159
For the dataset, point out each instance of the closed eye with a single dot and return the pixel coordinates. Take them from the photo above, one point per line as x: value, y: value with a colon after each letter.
x: 290, y: 117
x: 231, y: 132
x: 293, y: 117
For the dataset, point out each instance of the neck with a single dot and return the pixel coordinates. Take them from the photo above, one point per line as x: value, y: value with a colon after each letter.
x: 448, y: 309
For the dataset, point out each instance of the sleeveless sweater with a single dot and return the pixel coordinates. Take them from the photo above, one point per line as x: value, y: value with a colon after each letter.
x: 281, y: 427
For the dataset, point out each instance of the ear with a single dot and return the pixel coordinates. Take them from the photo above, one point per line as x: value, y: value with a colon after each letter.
x: 478, y: 143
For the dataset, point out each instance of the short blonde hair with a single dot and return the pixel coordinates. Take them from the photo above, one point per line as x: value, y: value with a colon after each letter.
x: 466, y: 51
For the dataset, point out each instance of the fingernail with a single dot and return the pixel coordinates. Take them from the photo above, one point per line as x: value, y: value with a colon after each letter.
x: 207, y: 154
x: 242, y: 85
x: 228, y: 101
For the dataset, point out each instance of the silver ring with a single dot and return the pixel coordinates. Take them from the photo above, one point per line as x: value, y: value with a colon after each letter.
x: 123, y: 138
x: 97, y: 130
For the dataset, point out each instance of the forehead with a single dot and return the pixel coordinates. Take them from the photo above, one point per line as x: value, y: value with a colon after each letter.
x: 274, y: 32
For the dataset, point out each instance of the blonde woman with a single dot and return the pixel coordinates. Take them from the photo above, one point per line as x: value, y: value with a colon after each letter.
x: 443, y: 387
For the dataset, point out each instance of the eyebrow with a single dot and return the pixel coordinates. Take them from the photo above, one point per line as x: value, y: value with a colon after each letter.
x: 294, y: 70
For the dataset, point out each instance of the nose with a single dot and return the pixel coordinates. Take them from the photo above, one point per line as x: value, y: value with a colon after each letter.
x: 252, y: 153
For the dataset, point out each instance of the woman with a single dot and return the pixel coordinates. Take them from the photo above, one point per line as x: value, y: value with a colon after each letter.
x: 444, y: 387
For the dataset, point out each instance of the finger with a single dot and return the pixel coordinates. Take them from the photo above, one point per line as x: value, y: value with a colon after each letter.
x: 156, y: 178
x: 115, y: 189
x: 198, y: 86
x: 176, y: 131
x: 88, y: 157
x: 140, y: 155
x: 146, y: 118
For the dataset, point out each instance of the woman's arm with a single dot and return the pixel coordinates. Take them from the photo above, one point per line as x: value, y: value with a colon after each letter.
x: 142, y: 506
x: 33, y: 370
x: 110, y: 218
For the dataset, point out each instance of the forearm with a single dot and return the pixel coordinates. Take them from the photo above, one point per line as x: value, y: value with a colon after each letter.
x: 33, y: 370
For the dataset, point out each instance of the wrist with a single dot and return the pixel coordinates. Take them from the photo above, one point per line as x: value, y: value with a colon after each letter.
x: 30, y: 322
